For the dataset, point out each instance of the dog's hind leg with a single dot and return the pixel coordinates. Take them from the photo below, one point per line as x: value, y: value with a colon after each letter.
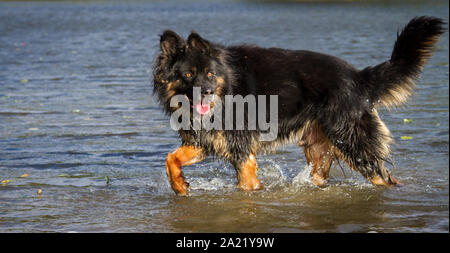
x: 363, y: 142
x: 183, y: 156
x: 246, y: 174
x: 385, y: 139
x: 319, y: 154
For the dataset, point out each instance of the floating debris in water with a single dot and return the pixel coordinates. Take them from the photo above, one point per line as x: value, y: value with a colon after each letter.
x: 39, y: 192
x: 6, y: 181
x: 33, y: 128
x: 24, y: 81
x: 24, y: 175
x: 107, y: 180
x: 76, y: 111
x: 406, y: 137
x: 406, y: 121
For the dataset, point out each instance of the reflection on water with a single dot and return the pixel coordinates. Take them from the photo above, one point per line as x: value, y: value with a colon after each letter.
x: 76, y: 106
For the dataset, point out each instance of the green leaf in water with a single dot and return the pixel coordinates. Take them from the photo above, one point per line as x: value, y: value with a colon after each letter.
x: 107, y: 179
x: 407, y: 121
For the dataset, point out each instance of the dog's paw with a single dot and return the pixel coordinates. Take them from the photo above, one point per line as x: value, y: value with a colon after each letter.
x: 181, y: 187
x: 319, y: 181
x: 252, y: 185
x: 377, y: 180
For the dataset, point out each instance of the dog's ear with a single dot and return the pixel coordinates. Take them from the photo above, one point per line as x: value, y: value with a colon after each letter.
x: 171, y: 43
x: 197, y: 42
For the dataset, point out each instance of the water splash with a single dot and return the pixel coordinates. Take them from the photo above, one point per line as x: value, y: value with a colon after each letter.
x: 213, y: 184
x: 272, y: 175
x: 303, y: 177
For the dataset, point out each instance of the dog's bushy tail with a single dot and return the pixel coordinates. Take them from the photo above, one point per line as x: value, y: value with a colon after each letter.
x: 392, y: 82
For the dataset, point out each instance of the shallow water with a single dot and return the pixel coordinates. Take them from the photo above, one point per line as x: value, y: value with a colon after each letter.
x: 76, y: 106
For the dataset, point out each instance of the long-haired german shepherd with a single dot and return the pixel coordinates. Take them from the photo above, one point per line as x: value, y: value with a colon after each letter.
x: 325, y: 105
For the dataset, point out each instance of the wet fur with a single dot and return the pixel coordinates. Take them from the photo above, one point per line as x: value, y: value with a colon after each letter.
x: 325, y: 104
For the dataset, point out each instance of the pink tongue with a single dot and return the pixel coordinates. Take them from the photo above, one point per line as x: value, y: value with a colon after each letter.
x: 202, y: 108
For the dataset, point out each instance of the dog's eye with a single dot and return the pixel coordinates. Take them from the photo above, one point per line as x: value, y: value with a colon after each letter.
x: 188, y: 75
x: 210, y: 75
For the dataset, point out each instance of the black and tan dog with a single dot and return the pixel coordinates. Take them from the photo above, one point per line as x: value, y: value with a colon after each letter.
x: 324, y: 104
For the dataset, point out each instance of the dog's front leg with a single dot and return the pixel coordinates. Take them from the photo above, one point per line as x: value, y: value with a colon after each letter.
x: 183, y: 156
x: 246, y: 174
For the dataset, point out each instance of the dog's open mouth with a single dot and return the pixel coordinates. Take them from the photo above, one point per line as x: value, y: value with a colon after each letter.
x: 203, y: 107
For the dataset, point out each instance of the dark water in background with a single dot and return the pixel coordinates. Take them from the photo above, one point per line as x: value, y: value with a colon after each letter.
x: 76, y: 105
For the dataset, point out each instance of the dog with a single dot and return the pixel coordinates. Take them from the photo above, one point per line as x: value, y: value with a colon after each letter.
x: 325, y: 105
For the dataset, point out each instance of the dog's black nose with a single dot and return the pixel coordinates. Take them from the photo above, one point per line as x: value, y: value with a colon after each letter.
x: 207, y: 92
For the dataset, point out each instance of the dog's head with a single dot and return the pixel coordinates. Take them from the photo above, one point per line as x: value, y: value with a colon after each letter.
x: 184, y: 65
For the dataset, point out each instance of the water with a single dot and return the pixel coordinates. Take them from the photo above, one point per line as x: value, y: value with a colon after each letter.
x: 76, y: 105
